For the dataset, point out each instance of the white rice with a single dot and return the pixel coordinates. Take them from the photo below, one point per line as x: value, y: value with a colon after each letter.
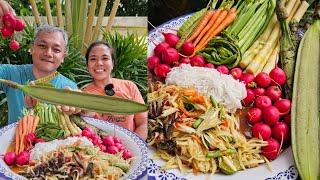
x: 224, y: 88
x: 45, y: 147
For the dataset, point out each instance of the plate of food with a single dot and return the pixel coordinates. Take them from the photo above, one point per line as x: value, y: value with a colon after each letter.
x: 83, y: 155
x: 215, y: 112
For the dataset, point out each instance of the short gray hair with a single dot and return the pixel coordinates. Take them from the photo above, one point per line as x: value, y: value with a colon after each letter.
x: 50, y: 29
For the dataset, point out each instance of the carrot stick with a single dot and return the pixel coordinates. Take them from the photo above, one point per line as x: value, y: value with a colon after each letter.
x: 25, y: 124
x: 210, y: 24
x: 30, y: 120
x: 18, y: 137
x: 35, y: 123
x: 23, y: 133
x: 227, y: 19
x: 218, y: 21
x: 201, y: 25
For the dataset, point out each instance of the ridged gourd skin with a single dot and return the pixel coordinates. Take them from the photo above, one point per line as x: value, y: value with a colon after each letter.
x: 305, y: 112
x: 91, y: 102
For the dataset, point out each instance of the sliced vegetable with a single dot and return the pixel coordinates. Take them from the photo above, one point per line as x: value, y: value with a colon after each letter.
x: 305, y: 113
x: 92, y: 102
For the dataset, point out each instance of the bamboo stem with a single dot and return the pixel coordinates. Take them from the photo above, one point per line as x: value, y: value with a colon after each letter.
x: 59, y: 14
x: 35, y: 11
x: 68, y: 17
x: 294, y: 9
x: 273, y: 60
x: 48, y: 11
x: 82, y: 22
x: 112, y: 14
x: 300, y: 11
x: 88, y: 33
x: 99, y: 20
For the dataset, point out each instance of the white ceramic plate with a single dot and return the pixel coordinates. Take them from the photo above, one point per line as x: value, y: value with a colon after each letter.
x: 135, y: 144
x: 281, y: 168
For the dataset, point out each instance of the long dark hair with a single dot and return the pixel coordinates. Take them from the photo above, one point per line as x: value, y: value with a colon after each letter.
x: 97, y: 43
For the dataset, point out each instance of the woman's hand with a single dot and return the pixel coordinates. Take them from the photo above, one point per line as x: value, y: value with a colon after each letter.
x: 5, y: 8
x: 69, y: 110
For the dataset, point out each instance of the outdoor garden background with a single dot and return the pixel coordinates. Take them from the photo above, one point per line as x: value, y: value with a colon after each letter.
x: 122, y: 23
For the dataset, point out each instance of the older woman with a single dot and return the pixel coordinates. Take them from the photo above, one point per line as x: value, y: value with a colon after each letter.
x: 100, y: 62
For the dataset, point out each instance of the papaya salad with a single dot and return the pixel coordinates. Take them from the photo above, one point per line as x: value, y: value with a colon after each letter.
x: 193, y: 132
x: 49, y: 144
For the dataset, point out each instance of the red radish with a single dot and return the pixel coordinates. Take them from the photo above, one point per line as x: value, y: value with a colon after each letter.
x: 271, y: 151
x: 223, y: 69
x: 108, y: 140
x: 209, y: 65
x: 278, y: 76
x: 86, y: 133
x: 6, y: 32
x: 247, y: 78
x: 162, y: 70
x: 20, y: 25
x: 160, y: 48
x: 254, y: 115
x: 280, y: 131
x: 262, y: 79
x: 185, y: 60
x: 259, y: 91
x: 274, y: 93
x: 96, y: 140
x: 287, y: 119
x: 153, y: 61
x: 261, y: 131
x: 9, y: 21
x: 170, y: 56
x: 197, y: 61
x: 14, y: 45
x: 271, y: 115
x: 283, y: 105
x: 262, y: 102
x: 90, y: 130
x: 31, y: 137
x: 10, y: 158
x: 39, y: 140
x: 22, y: 158
x: 120, y: 146
x: 127, y: 154
x: 249, y: 98
x: 236, y: 73
x: 102, y: 147
x: 187, y: 48
x: 171, y: 39
x: 112, y: 150
x: 117, y: 139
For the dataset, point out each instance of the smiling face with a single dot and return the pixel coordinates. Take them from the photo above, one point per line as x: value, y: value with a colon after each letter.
x: 48, y: 52
x: 100, y: 63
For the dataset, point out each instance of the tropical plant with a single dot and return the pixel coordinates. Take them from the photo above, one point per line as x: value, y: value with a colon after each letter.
x: 131, y: 55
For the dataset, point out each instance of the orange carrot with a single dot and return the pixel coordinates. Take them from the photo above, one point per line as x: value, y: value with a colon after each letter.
x: 18, y: 137
x: 23, y: 133
x: 222, y: 22
x: 196, y: 138
x: 210, y: 24
x: 25, y: 124
x: 30, y: 120
x: 35, y: 123
x: 201, y: 25
x: 225, y: 123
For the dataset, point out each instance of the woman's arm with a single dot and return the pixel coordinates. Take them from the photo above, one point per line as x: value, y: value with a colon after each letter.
x: 141, y: 126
